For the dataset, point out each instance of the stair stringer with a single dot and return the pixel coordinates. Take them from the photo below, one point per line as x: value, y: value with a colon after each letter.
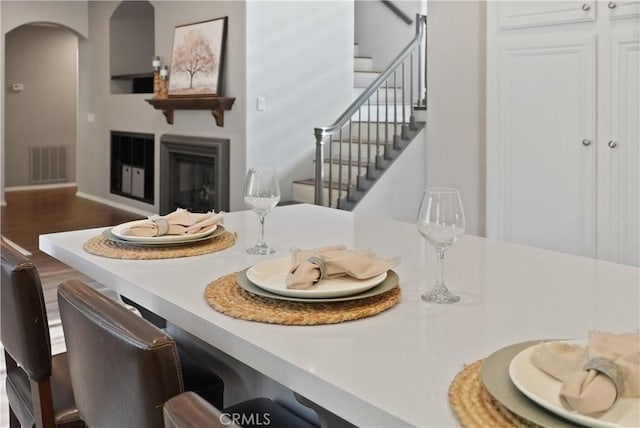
x: 397, y: 192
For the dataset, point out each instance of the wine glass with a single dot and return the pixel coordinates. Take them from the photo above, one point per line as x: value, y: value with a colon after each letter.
x: 261, y: 194
x: 441, y: 221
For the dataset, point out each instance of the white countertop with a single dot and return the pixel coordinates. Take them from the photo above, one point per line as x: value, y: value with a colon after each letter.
x: 393, y: 369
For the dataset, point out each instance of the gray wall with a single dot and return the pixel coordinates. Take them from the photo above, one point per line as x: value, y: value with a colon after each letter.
x: 130, y: 112
x: 71, y: 14
x: 43, y: 59
x: 132, y: 38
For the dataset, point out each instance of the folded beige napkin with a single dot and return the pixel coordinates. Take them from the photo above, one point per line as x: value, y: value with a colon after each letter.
x: 179, y: 222
x: 309, y: 266
x: 595, y: 375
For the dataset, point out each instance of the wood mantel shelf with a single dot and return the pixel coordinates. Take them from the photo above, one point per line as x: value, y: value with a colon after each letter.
x: 217, y: 105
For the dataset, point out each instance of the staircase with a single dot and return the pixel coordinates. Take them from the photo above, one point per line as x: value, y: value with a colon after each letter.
x: 373, y: 131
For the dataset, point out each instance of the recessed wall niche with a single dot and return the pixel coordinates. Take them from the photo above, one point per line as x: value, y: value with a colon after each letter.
x: 132, y: 165
x: 131, y: 47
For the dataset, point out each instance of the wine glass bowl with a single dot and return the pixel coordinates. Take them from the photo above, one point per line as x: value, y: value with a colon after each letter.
x: 261, y: 194
x: 441, y: 222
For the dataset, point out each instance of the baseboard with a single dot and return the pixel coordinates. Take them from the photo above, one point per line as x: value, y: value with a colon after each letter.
x: 39, y: 187
x: 113, y: 204
x: 17, y: 247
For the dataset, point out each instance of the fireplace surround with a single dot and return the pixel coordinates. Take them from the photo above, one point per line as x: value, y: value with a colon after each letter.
x: 194, y: 173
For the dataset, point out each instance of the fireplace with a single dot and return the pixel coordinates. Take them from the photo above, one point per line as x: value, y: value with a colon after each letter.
x: 194, y: 173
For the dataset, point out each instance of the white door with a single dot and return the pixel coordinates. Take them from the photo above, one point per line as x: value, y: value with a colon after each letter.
x: 563, y: 126
x: 619, y: 154
x: 545, y: 153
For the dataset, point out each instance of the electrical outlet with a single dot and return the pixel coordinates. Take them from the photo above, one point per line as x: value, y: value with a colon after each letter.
x: 17, y: 87
x: 261, y: 104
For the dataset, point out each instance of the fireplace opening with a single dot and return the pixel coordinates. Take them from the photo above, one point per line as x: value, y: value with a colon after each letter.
x: 194, y: 174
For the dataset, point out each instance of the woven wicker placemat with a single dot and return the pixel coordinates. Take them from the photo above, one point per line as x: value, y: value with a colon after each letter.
x: 226, y: 296
x: 101, y: 246
x: 475, y: 407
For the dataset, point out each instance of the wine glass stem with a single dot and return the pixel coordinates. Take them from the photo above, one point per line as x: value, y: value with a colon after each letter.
x: 261, y: 240
x: 440, y: 268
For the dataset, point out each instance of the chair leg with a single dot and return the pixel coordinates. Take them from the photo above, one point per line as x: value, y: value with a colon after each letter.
x: 13, y: 420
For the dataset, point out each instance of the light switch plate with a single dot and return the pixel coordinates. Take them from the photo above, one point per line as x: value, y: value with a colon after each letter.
x: 261, y: 104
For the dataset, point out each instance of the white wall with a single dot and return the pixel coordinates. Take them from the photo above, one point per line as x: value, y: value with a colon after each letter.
x: 455, y: 132
x: 381, y: 34
x: 396, y: 195
x: 456, y: 101
x: 304, y: 71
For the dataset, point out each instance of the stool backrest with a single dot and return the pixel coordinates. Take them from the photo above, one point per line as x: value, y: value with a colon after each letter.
x: 24, y: 332
x: 24, y: 328
x: 123, y: 368
x: 189, y: 410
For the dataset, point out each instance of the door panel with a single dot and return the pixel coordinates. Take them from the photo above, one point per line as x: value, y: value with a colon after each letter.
x: 546, y: 110
x: 619, y: 158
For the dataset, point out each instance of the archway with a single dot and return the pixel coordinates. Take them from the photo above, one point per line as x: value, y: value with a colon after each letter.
x: 41, y: 67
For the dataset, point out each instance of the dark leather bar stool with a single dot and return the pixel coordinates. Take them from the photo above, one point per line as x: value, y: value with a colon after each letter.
x: 123, y: 368
x: 38, y: 385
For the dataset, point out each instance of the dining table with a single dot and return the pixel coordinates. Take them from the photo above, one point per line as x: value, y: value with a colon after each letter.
x: 395, y: 367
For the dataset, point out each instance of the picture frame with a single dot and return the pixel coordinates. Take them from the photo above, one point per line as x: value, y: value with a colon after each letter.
x: 197, y: 59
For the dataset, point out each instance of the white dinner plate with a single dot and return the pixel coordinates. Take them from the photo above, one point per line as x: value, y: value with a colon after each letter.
x: 390, y: 282
x: 271, y: 276
x: 166, y: 239
x: 494, y: 374
x: 107, y: 233
x: 545, y: 390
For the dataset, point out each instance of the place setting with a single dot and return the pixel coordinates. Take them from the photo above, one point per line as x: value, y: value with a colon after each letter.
x: 180, y: 233
x: 308, y: 287
x: 554, y: 383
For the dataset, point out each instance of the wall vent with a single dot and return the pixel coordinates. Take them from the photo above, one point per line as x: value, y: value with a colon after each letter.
x: 48, y: 164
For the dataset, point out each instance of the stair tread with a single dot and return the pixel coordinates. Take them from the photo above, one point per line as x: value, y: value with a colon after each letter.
x: 373, y: 144
x: 312, y: 182
x: 355, y: 140
x: 354, y: 162
x: 380, y: 122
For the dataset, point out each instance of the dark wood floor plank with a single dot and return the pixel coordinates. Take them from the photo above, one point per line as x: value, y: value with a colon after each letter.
x: 30, y: 213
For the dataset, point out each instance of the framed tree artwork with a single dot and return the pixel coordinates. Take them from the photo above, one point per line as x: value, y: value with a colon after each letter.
x: 197, y: 59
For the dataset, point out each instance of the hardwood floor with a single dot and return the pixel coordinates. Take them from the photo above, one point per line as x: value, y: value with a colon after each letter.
x: 31, y: 213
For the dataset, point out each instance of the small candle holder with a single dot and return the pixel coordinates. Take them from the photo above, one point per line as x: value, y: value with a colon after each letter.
x: 155, y: 63
x: 164, y: 80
